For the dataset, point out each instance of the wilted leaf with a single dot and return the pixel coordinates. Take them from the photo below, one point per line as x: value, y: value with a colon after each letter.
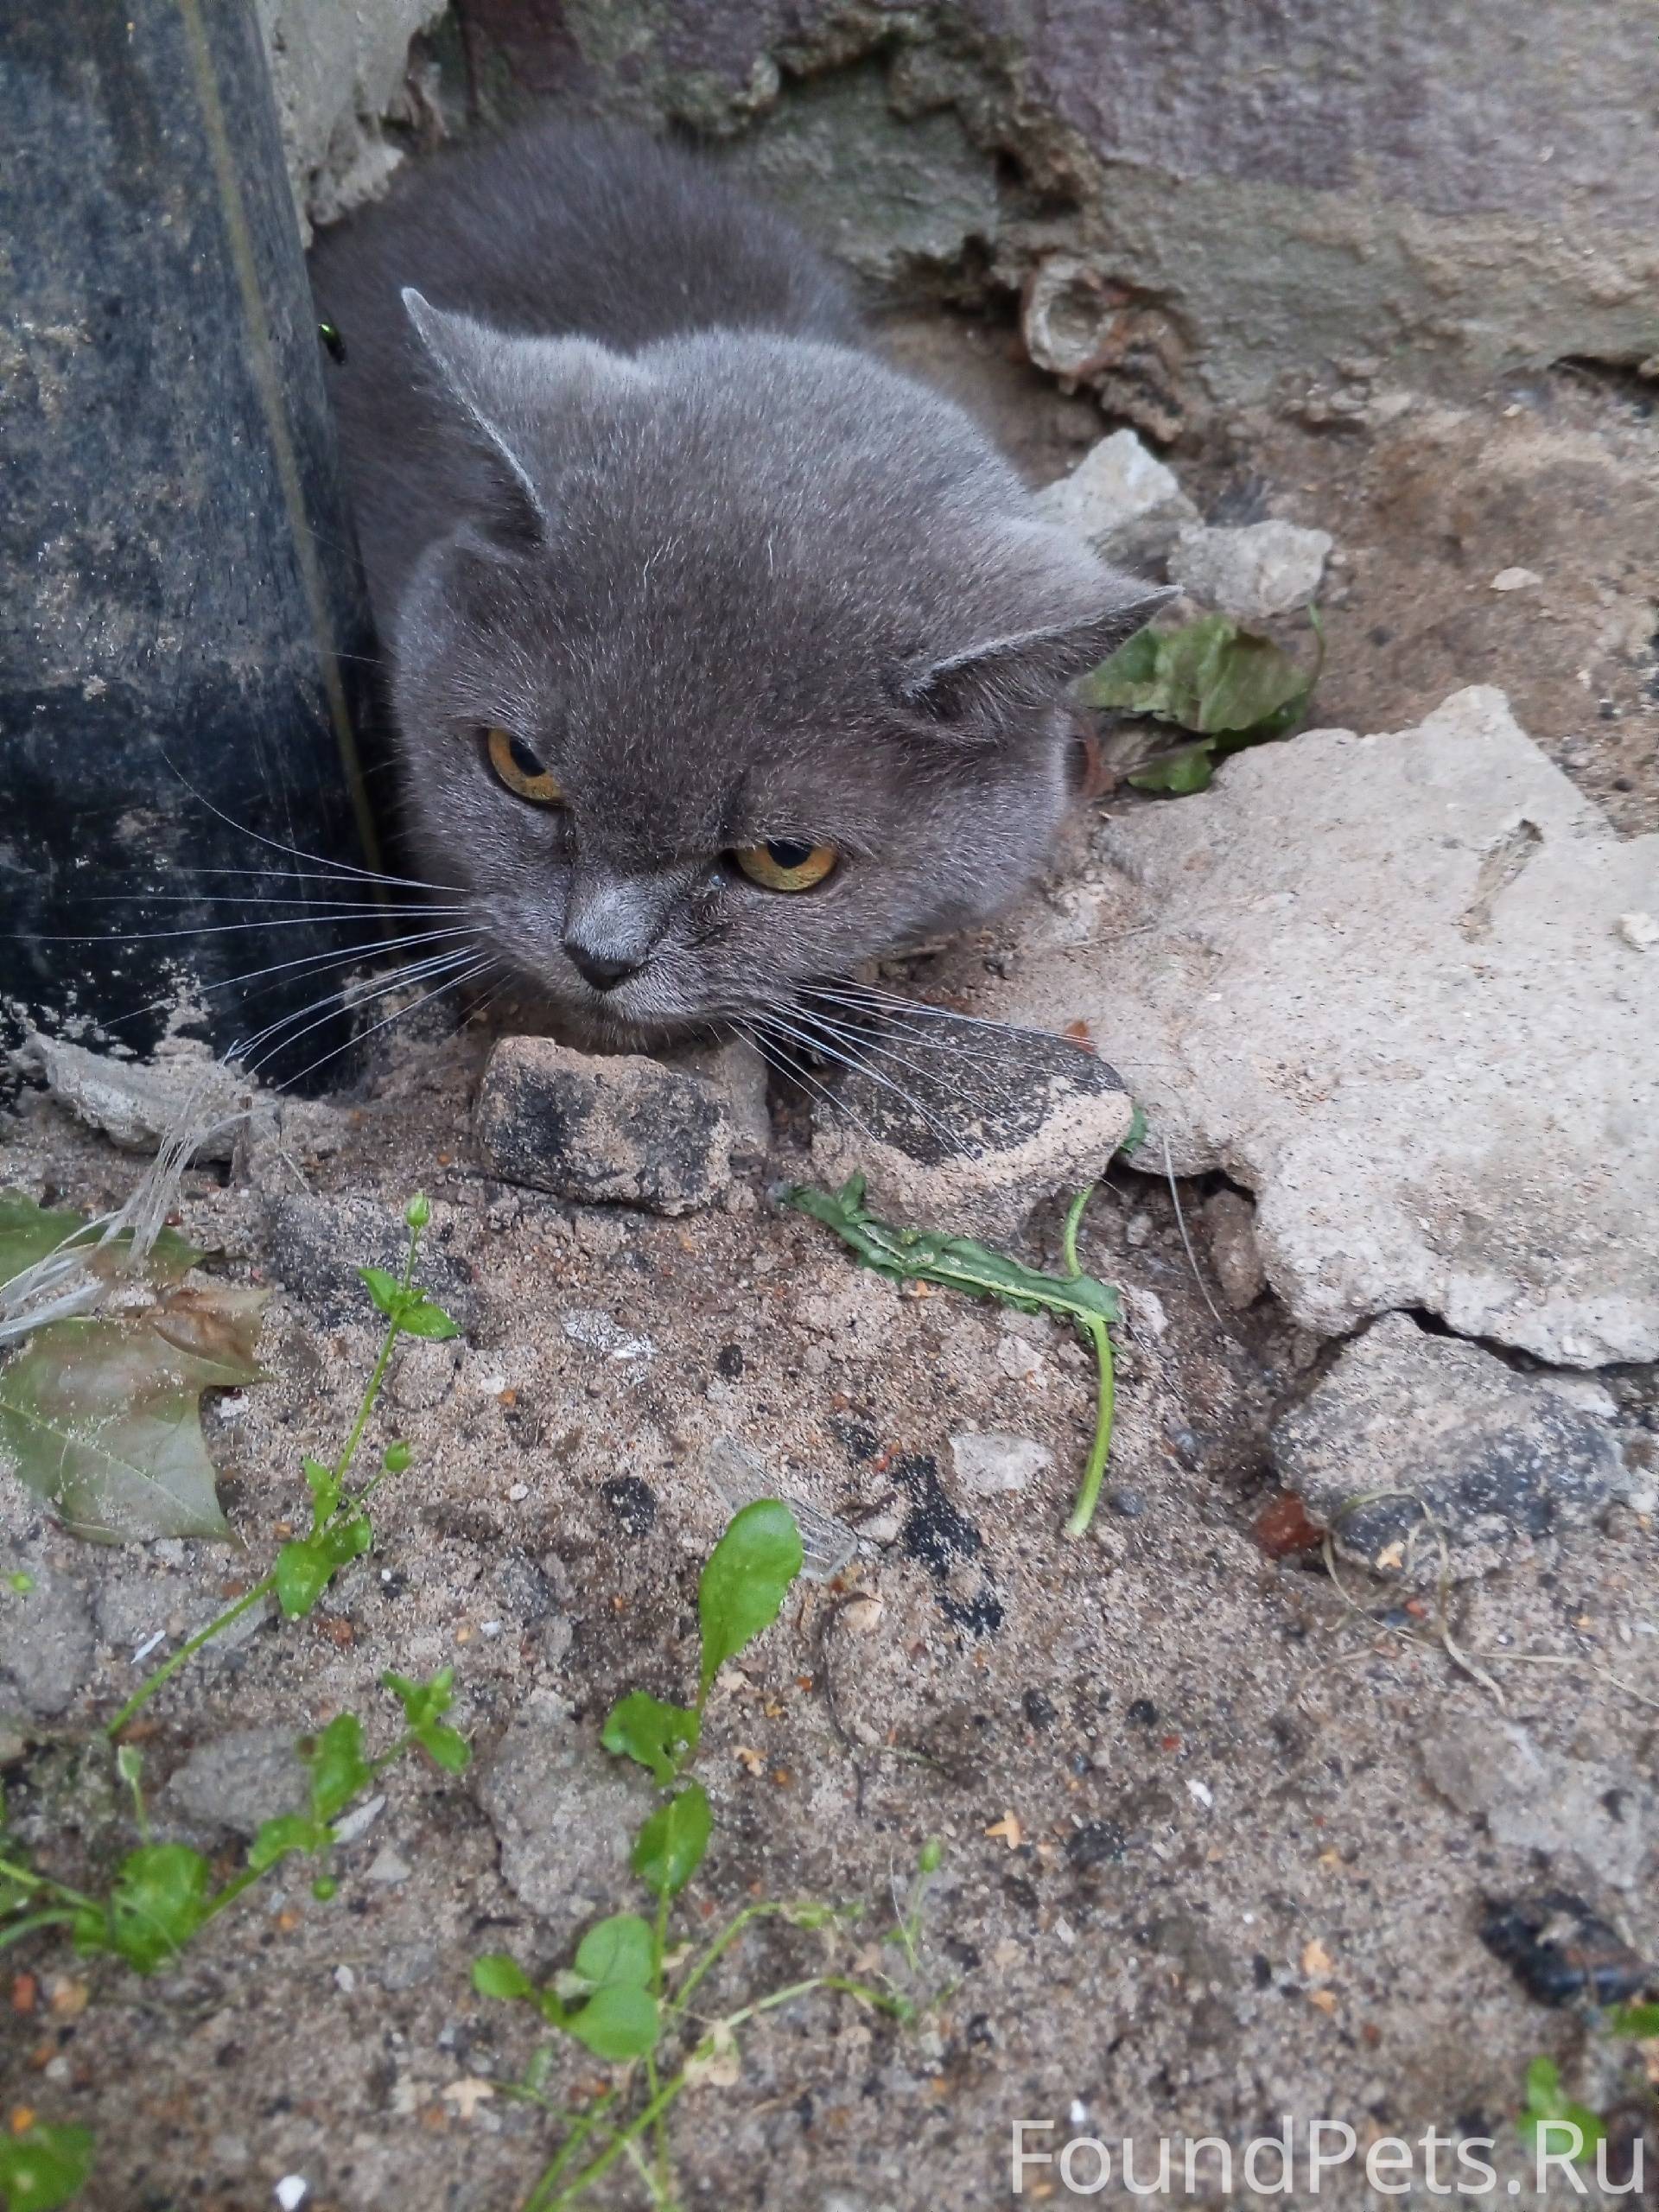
x: 1224, y: 684
x: 28, y: 1233
x: 101, y: 1414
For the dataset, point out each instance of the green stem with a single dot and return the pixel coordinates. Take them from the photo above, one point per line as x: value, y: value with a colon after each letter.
x: 12, y: 1873
x: 1073, y: 1222
x: 1094, y: 1474
x: 28, y: 1925
x: 187, y: 1651
x: 721, y: 1942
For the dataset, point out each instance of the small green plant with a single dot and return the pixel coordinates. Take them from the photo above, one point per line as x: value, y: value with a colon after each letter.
x: 926, y: 1255
x: 1229, y: 687
x: 341, y: 1529
x: 626, y: 1996
x: 42, y: 2166
x: 163, y: 1894
x: 1549, y: 2114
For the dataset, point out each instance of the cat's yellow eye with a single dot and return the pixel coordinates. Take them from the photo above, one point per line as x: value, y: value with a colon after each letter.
x: 785, y: 863
x: 519, y: 768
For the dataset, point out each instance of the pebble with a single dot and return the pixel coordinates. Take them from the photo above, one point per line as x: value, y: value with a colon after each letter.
x: 1515, y: 579
x: 1253, y: 573
x: 1641, y: 931
x: 996, y: 1462
x: 387, y: 1866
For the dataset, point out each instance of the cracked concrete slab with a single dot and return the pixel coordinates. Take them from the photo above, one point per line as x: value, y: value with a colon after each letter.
x: 1380, y: 981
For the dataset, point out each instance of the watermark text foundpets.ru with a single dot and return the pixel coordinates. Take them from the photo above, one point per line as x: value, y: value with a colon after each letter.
x: 1302, y: 2159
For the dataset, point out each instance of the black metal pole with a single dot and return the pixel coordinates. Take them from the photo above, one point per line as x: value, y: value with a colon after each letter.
x: 183, y: 641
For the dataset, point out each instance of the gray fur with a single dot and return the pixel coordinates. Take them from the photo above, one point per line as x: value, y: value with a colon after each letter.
x: 636, y: 493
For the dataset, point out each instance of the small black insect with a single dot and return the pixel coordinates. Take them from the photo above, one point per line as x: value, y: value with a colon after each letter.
x: 331, y: 338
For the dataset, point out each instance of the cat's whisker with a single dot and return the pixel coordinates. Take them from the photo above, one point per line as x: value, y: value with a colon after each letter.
x: 319, y: 876
x: 321, y: 961
x: 316, y: 909
x: 448, y: 982
x: 875, y: 1041
x: 208, y: 929
x: 333, y: 1002
x: 867, y: 996
x: 859, y: 1066
x: 294, y: 852
x: 786, y: 1063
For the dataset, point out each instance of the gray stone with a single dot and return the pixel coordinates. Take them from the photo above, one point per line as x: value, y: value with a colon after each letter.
x: 1536, y: 1800
x: 1438, y: 1441
x: 1262, y: 569
x: 564, y: 1812
x: 46, y: 1643
x: 1230, y: 1224
x: 993, y: 1463
x: 1377, y: 981
x: 239, y: 1781
x: 621, y: 1130
x: 966, y: 1128
x: 1122, y: 501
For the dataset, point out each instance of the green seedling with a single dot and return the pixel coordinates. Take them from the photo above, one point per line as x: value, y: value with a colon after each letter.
x: 41, y: 2166
x: 1229, y: 687
x: 626, y: 1996
x: 341, y: 1529
x: 163, y: 1894
x: 1550, y: 2121
x: 958, y: 1264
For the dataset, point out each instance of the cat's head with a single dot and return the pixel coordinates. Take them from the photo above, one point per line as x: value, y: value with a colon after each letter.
x: 746, y: 665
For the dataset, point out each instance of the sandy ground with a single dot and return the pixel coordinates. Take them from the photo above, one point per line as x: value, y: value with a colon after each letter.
x: 1196, y: 1878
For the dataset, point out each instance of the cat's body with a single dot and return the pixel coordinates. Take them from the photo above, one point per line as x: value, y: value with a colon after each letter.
x: 681, y: 585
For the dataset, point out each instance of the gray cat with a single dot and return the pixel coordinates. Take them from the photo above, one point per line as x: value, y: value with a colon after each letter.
x: 723, y: 656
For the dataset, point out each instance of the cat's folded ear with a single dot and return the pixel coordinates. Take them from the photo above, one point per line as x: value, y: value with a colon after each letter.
x: 514, y: 392
x: 983, y: 689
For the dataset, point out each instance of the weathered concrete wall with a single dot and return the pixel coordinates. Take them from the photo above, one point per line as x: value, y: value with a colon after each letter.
x: 341, y: 74
x: 1196, y: 203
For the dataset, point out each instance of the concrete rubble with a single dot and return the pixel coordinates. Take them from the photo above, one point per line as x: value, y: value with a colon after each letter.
x: 1381, y: 981
x: 1419, y: 1452
x: 1264, y: 569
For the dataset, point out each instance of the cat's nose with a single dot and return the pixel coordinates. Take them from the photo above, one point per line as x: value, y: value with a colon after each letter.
x: 604, y: 970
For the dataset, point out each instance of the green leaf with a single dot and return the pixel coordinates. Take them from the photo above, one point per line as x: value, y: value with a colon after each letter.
x: 159, y: 1898
x: 420, y: 1317
x: 101, y: 1414
x: 1188, y: 770
x: 1549, y: 2114
x: 397, y: 1458
x: 306, y: 1565
x: 386, y: 1291
x: 339, y: 1769
x: 925, y: 1256
x: 670, y: 1848
x: 43, y: 2167
x: 422, y: 1702
x: 324, y: 1486
x: 616, y: 2022
x: 288, y: 1832
x: 1639, y: 2022
x: 659, y: 1736
x: 618, y: 1950
x: 497, y: 1974
x: 744, y: 1583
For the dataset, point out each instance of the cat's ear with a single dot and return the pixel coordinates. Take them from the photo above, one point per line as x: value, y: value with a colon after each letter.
x: 511, y: 390
x: 977, y: 690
